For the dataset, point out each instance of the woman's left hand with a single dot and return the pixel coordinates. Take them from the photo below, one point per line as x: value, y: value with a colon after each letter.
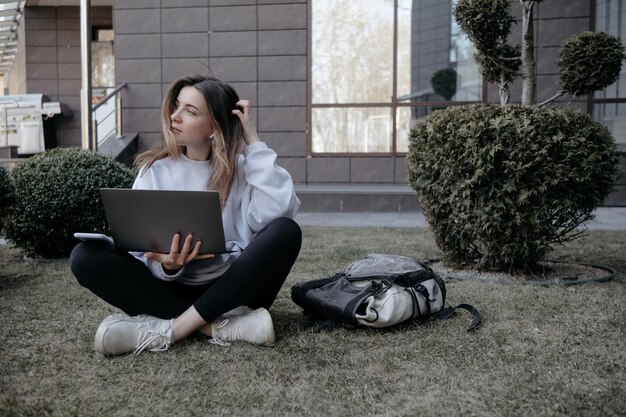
x: 176, y: 259
x: 250, y: 134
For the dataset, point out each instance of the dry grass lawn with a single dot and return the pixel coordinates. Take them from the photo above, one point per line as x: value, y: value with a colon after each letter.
x: 556, y: 351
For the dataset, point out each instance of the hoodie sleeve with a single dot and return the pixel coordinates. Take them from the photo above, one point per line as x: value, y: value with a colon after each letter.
x: 143, y: 180
x: 269, y: 192
x: 157, y: 270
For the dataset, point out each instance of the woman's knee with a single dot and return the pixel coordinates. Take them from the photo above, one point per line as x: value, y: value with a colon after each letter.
x: 77, y: 257
x: 282, y: 236
x: 288, y: 229
x: 83, y: 261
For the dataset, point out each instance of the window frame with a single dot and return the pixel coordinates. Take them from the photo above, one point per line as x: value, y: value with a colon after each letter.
x: 591, y: 100
x: 392, y: 106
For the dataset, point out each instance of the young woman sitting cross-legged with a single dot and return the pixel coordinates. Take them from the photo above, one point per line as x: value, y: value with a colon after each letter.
x: 210, y: 143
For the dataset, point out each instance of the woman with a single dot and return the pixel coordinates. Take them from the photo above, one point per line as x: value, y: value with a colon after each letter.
x: 210, y: 142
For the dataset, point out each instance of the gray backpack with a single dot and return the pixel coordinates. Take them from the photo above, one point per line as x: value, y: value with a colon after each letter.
x: 378, y: 291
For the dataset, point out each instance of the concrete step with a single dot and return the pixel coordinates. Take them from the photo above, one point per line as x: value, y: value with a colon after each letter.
x: 122, y: 149
x: 357, y: 198
x: 321, y: 198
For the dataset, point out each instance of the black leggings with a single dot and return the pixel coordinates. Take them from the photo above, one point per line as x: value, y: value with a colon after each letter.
x: 254, y: 279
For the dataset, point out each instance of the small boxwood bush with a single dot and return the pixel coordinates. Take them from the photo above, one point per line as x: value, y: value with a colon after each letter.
x: 7, y: 193
x: 57, y: 193
x: 590, y: 61
x: 501, y: 184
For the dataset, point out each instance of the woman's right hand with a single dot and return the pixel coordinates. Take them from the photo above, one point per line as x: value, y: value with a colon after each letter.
x: 244, y: 113
x: 175, y: 259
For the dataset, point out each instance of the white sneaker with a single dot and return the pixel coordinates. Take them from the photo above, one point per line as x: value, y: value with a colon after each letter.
x: 237, y: 311
x: 255, y: 327
x: 120, y: 333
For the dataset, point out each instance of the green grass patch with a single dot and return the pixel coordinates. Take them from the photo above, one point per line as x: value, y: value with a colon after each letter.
x: 556, y: 351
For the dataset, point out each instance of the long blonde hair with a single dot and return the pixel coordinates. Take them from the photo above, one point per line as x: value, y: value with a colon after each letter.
x: 221, y: 100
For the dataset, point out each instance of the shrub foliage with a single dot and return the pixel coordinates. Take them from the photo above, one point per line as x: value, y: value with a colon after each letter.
x: 501, y: 184
x: 444, y: 82
x: 57, y: 193
x: 590, y: 61
x: 7, y: 193
x: 504, y: 67
x: 485, y: 22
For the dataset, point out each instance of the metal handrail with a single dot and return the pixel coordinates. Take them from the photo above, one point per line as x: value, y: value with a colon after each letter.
x: 118, y: 114
x: 108, y: 96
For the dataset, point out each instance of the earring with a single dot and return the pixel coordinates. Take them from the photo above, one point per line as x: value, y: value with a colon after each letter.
x: 212, y: 136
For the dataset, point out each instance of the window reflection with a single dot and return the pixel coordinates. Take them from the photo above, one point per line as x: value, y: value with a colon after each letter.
x: 103, y: 58
x: 435, y: 60
x: 352, y: 129
x: 424, y: 45
x: 352, y: 51
x: 611, y: 18
x: 404, y: 123
x: 613, y: 116
x: 352, y: 65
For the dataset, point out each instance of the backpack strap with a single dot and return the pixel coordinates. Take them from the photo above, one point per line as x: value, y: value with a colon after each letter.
x: 419, y: 288
x: 302, y: 287
x: 448, y: 312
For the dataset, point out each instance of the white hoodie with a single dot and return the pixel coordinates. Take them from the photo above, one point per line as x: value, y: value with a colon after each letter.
x: 261, y: 192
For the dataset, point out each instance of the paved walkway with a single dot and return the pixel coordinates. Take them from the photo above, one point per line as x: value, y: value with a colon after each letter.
x: 607, y: 218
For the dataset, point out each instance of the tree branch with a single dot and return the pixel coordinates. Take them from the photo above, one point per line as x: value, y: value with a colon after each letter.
x: 551, y: 99
x: 504, y: 90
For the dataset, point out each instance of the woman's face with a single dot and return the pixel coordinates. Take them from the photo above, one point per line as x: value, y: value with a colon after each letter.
x: 190, y: 120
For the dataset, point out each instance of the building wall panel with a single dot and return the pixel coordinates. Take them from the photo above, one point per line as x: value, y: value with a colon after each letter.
x: 52, y: 61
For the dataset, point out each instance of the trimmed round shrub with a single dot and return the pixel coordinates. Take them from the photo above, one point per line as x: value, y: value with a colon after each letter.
x: 590, y: 61
x: 7, y: 194
x: 504, y: 60
x: 501, y: 184
x: 57, y: 193
x: 444, y: 82
x: 486, y: 22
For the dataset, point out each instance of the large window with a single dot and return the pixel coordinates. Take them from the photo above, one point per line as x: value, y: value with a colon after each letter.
x: 609, y: 105
x: 103, y: 80
x: 377, y: 66
x: 102, y: 58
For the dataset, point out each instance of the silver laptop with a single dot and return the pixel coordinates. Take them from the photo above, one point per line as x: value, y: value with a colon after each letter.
x: 146, y: 220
